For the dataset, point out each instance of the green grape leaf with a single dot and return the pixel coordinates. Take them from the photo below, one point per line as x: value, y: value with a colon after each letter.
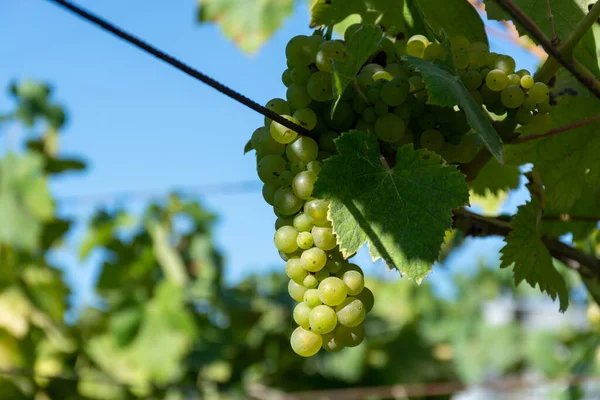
x: 168, y: 258
x: 392, y: 15
x: 587, y: 205
x: 456, y: 17
x: 566, y: 16
x: 361, y: 45
x: 402, y: 212
x: 496, y: 178
x: 245, y: 22
x: 25, y: 201
x: 529, y: 256
x: 567, y: 161
x: 447, y: 90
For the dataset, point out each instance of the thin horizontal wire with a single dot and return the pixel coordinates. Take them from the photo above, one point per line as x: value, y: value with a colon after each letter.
x: 217, y: 189
x: 161, y: 55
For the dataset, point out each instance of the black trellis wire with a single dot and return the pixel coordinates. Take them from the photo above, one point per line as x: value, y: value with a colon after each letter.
x: 161, y: 55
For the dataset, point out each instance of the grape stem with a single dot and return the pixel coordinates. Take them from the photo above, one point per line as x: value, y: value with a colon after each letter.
x: 558, y: 130
x: 567, y: 47
x: 521, y: 18
x: 571, y: 218
x: 472, y: 224
x: 359, y: 91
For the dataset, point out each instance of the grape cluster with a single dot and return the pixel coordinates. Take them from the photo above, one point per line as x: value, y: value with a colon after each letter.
x: 492, y: 80
x: 389, y: 100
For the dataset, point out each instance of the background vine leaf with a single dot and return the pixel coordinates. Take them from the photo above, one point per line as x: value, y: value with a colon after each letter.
x: 529, y: 256
x: 456, y: 17
x: 401, y: 212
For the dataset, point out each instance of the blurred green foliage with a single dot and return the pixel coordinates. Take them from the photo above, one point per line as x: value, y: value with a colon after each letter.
x: 168, y: 327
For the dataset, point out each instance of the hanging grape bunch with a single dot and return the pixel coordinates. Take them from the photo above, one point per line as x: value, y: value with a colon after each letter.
x: 388, y: 100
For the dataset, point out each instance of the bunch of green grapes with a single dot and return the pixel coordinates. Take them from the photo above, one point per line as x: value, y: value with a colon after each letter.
x: 330, y: 291
x: 493, y: 81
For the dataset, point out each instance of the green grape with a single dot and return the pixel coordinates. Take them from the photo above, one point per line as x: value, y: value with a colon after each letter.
x: 301, y: 50
x: 322, y: 319
x: 512, y: 96
x: 369, y: 115
x: 351, y: 30
x: 322, y: 274
x: 434, y: 51
x: 524, y: 116
x: 529, y: 103
x: 283, y: 134
x: 505, y: 63
x: 382, y: 75
x: 285, y: 179
x: 314, y: 167
x: 467, y: 149
x: 317, y: 210
x: 319, y: 86
x: 255, y: 139
x: 459, y: 43
x: 514, y: 79
x: 351, y: 312
x: 305, y: 240
x: 297, y: 166
x: 416, y: 46
x: 295, y: 271
x: 490, y: 60
x: 268, y: 192
x: 351, y: 337
x: 496, y: 80
x: 477, y: 56
x: 310, y: 282
x: 332, y: 343
x: 285, y: 239
x: 306, y: 118
x: 394, y: 92
x: 288, y: 256
x: 461, y: 59
x: 367, y: 298
x: 296, y: 291
x: 334, y: 265
x: 297, y: 96
x: 311, y: 298
x: 303, y: 184
x: 269, y: 168
x: 278, y: 106
x: 267, y: 145
x: 523, y: 72
x: 305, y: 343
x: 303, y: 148
x: 317, y: 38
x: 397, y: 70
x: 328, y: 51
x: 472, y: 80
x: 354, y: 281
x: 544, y: 107
x: 286, y: 77
x: 301, y: 313
x: 540, y: 123
x: 416, y: 83
x: 381, y: 108
x: 364, y: 80
x: 343, y: 118
x: 359, y: 105
x: 300, y: 75
x: 324, y: 238
x: 539, y: 92
x: 286, y: 202
x: 527, y: 82
x: 282, y: 221
x: 332, y: 291
x: 363, y: 126
x: 313, y: 259
x: 373, y: 94
x: 303, y: 222
x: 389, y: 128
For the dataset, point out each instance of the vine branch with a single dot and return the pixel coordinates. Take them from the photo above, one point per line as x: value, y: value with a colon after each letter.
x: 556, y: 131
x: 555, y: 39
x: 476, y: 225
x: 520, y: 17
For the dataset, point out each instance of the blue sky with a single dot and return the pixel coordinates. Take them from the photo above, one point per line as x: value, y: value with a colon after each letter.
x: 145, y: 127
